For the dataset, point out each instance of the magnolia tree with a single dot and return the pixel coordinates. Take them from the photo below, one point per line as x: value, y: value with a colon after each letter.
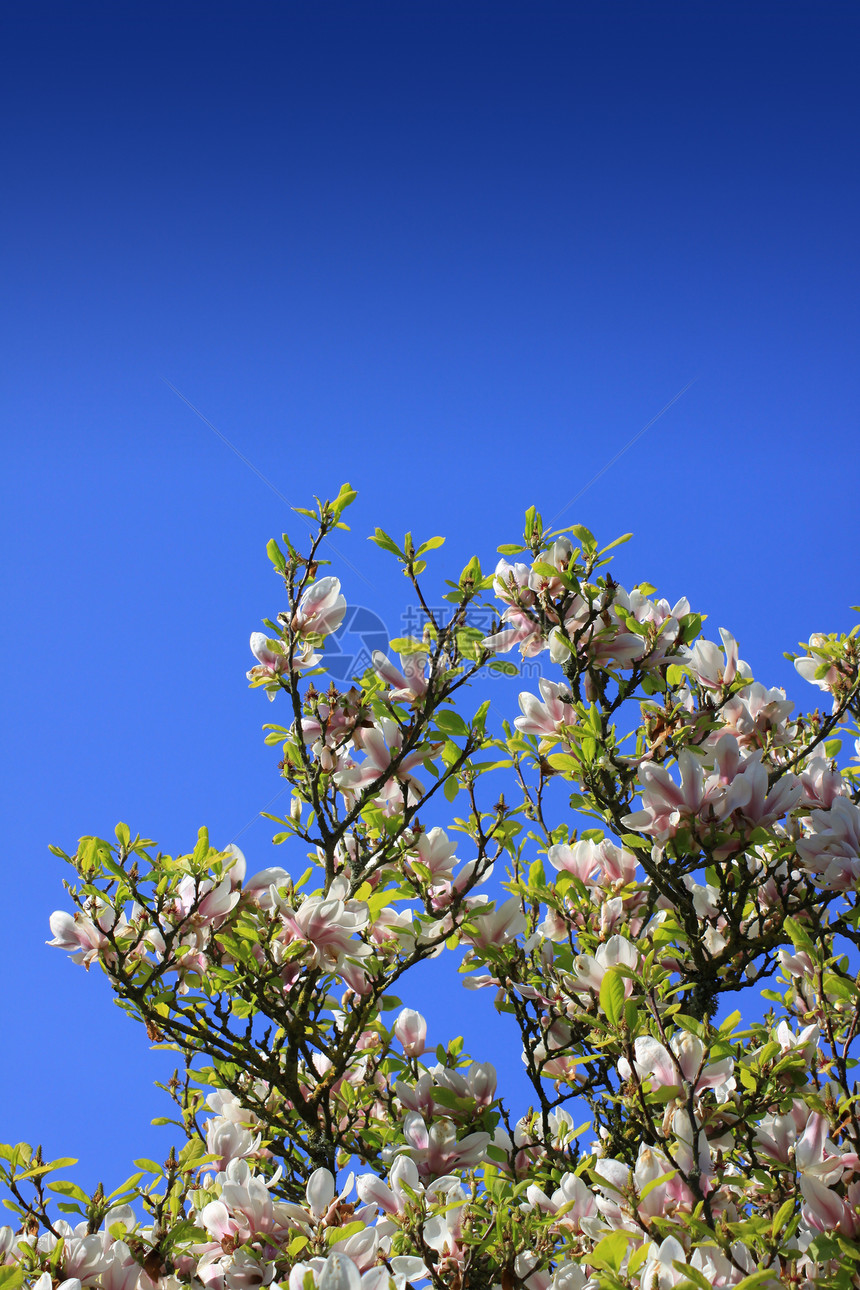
x: 667, y: 839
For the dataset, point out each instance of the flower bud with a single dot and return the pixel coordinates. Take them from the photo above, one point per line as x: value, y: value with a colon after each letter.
x: 411, y: 1029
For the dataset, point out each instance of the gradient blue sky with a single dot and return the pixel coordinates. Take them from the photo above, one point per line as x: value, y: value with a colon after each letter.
x: 456, y: 253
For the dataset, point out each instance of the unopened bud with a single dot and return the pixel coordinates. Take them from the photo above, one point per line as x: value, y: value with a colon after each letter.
x: 411, y: 1029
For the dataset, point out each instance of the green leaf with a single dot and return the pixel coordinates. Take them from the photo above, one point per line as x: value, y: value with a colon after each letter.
x: 730, y: 1023
x: 799, y: 938
x: 479, y: 720
x: 11, y: 1277
x: 656, y: 1182
x: 129, y: 1185
x: 755, y: 1279
x: 544, y: 570
x: 148, y: 1165
x: 638, y: 1257
x: 691, y: 1025
x: 193, y: 1154
x: 451, y: 723
x: 276, y: 555
x: 408, y: 645
x: 506, y: 669
x: 625, y: 537
x: 386, y: 543
x: 537, y: 877
x: 345, y: 497
x: 335, y: 1234
x: 781, y: 1217
x: 70, y: 1189
x: 612, y: 996
x: 694, y: 1276
x: 432, y: 544
x: 610, y: 1250
x: 586, y: 537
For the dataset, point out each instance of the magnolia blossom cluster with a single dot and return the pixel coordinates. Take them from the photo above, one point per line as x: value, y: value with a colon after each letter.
x: 331, y: 932
x: 351, y: 1236
x: 320, y: 612
x: 612, y: 628
x: 714, y: 848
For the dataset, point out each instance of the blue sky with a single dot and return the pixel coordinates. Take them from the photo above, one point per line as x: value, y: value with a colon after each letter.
x: 457, y: 254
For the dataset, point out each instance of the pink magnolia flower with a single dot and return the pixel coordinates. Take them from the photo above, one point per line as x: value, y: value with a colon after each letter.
x: 215, y: 901
x: 558, y: 556
x: 822, y: 782
x: 123, y: 1272
x: 443, y: 1230
x: 436, y: 1150
x: 393, y: 1197
x: 573, y: 1197
x: 392, y: 929
x: 410, y: 683
x: 590, y: 969
x: 806, y: 1041
x: 658, y: 1186
x: 411, y: 1029
x: 361, y: 1247
x: 320, y: 1192
x: 262, y: 888
x: 821, y: 1165
x: 735, y: 785
x: 601, y: 645
x: 755, y: 713
x: 524, y: 631
x: 663, y: 619
x: 383, y: 743
x: 273, y: 660
x: 571, y: 1276
x: 477, y: 1088
x: 245, y: 1209
x: 595, y: 863
x: 659, y: 1272
x: 742, y: 786
x: 328, y: 925
x: 331, y: 724
x: 79, y: 1255
x: 436, y: 853
x: 338, y: 1272
x: 79, y: 935
x: 45, y: 1282
x: 511, y: 583
x: 496, y: 926
x: 321, y: 608
x: 705, y: 660
x: 814, y: 661
x: 229, y: 1133
x: 690, y: 1146
x: 685, y: 1064
x: 545, y: 716
x: 832, y: 851
x: 665, y: 803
